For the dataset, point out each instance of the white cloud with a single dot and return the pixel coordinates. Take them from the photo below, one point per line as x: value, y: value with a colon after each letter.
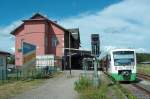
x: 7, y: 40
x: 12, y: 49
x: 5, y: 30
x: 125, y: 24
x: 108, y: 48
x: 140, y: 50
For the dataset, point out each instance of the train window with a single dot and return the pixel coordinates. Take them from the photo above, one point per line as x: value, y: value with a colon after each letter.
x: 123, y: 52
x: 123, y: 58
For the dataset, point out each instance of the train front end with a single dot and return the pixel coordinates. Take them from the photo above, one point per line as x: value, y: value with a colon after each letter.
x: 123, y: 66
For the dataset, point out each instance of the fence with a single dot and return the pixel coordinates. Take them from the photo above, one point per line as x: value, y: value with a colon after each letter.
x: 22, y: 74
x: 45, y: 66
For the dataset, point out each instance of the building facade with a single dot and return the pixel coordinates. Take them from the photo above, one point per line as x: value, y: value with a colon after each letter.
x: 3, y: 64
x: 48, y: 37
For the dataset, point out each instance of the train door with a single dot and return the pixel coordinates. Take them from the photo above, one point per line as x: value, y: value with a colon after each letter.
x: 108, y: 63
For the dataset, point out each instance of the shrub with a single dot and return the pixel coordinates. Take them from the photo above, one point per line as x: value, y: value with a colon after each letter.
x: 82, y: 84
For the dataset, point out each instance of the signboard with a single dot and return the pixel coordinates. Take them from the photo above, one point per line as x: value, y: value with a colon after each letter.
x: 44, y: 60
x: 29, y: 54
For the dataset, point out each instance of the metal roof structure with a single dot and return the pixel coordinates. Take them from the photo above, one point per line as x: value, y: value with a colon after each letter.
x: 4, y: 53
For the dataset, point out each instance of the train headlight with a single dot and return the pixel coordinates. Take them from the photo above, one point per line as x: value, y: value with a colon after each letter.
x: 125, y: 73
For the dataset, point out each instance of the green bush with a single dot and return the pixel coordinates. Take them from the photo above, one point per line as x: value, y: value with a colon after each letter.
x: 86, y: 89
x: 82, y: 84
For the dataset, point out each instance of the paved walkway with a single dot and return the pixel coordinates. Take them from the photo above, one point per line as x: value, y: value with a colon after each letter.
x: 55, y: 88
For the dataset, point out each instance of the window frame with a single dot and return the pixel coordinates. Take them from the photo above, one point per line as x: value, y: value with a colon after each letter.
x: 54, y: 41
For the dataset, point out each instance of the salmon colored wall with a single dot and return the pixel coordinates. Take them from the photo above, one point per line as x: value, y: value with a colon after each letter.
x: 34, y: 34
x: 34, y: 26
x: 18, y: 55
x: 55, y: 31
x: 39, y: 33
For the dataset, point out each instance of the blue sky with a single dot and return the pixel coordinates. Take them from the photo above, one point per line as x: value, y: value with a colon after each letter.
x: 57, y: 9
x: 120, y: 23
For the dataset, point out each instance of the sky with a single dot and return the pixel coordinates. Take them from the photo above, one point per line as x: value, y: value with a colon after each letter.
x: 120, y: 23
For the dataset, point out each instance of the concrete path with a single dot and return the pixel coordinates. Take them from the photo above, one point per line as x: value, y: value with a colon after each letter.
x: 55, y: 88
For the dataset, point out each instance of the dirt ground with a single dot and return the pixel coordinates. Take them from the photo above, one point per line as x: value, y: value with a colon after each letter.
x: 61, y: 87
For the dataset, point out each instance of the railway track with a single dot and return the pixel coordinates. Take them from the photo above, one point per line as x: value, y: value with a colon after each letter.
x: 113, y: 81
x: 142, y: 88
x: 136, y: 89
x: 144, y: 76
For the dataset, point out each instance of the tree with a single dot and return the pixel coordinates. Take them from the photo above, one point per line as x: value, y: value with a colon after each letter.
x: 11, y: 59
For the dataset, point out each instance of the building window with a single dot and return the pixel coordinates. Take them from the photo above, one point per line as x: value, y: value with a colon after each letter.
x: 54, y: 41
x: 1, y: 61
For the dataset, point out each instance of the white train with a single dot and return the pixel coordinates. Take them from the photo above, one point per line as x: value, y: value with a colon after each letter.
x: 120, y: 64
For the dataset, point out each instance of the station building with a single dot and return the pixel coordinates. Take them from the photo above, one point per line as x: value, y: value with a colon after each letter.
x: 49, y: 37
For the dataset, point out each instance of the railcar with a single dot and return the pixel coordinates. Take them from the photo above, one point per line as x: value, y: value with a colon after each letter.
x: 120, y: 64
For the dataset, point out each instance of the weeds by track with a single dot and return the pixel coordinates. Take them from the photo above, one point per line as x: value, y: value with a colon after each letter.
x: 138, y: 91
x: 131, y: 90
x: 126, y: 94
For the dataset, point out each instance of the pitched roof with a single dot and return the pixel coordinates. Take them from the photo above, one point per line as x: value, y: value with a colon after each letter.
x: 38, y: 17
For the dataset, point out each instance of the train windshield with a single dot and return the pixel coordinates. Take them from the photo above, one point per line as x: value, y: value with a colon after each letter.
x: 123, y: 58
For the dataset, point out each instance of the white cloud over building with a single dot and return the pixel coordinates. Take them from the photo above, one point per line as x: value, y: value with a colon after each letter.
x: 122, y: 25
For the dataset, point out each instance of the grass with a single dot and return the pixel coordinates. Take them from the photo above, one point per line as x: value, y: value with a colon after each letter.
x: 86, y: 90
x: 143, y: 68
x: 106, y: 90
x: 82, y: 84
x: 11, y: 89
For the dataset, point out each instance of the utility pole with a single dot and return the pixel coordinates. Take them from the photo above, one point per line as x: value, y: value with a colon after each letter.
x: 95, y: 52
x: 70, y: 52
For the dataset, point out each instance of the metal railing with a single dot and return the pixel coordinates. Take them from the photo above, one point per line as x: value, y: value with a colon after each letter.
x: 7, y: 76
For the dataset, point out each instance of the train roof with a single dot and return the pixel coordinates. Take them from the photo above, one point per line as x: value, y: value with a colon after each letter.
x: 121, y: 50
x: 112, y: 50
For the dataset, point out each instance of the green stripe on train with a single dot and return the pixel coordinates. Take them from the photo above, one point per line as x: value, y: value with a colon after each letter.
x: 121, y: 78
